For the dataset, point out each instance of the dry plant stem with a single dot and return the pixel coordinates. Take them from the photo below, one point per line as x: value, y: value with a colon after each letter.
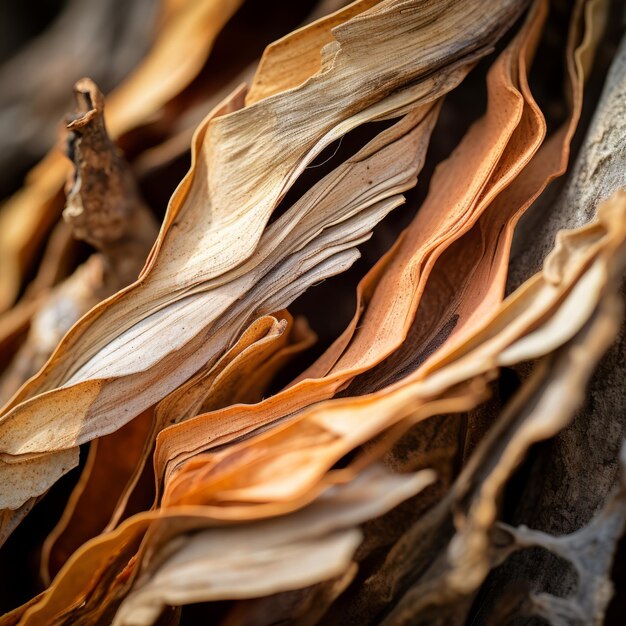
x: 103, y: 205
x: 590, y: 550
x: 185, y: 37
x: 105, y: 210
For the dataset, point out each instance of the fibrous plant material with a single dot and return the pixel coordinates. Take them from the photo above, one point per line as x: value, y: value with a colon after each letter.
x: 187, y: 32
x: 104, y: 209
x: 263, y: 477
x: 96, y: 364
x: 229, y: 476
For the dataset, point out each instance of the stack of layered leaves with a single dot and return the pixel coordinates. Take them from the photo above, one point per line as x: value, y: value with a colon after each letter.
x: 350, y: 378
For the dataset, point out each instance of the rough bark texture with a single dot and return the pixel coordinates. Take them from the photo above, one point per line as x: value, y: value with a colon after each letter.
x: 598, y: 172
x: 567, y: 479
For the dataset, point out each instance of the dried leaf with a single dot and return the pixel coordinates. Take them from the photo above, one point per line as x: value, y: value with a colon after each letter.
x: 253, y: 504
x: 90, y: 378
x: 294, y: 551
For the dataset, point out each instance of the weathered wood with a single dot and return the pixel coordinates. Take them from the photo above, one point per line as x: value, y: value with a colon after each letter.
x: 569, y: 478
